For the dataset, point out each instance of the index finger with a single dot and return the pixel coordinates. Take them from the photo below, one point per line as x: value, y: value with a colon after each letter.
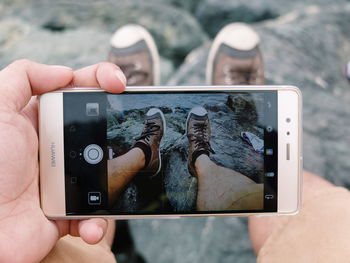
x: 105, y: 75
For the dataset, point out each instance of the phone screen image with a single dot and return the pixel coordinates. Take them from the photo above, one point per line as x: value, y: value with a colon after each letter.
x: 150, y: 153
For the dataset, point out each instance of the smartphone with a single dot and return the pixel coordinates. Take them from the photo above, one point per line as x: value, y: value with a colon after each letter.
x: 170, y: 151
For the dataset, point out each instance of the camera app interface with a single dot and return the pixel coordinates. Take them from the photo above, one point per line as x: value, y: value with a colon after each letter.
x: 170, y: 153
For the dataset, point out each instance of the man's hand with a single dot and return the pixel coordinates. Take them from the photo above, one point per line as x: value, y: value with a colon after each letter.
x: 26, y: 235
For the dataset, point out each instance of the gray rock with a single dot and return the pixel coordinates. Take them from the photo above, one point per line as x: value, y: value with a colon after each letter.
x: 192, y: 71
x: 214, y: 14
x: 195, y: 240
x: 52, y: 48
x: 22, y: 40
x: 188, y: 5
x: 175, y: 31
x: 167, y: 70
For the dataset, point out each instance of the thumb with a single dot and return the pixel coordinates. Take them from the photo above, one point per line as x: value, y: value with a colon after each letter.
x: 24, y: 78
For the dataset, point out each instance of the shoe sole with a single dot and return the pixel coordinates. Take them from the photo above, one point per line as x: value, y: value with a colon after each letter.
x: 251, y: 41
x: 145, y: 35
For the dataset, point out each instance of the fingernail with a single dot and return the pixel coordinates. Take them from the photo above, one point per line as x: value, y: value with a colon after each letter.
x: 61, y: 67
x: 120, y: 75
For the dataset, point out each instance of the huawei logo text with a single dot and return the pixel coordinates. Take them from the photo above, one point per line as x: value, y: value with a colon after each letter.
x: 53, y: 154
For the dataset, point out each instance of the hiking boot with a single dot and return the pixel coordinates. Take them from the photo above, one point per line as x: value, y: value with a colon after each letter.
x: 198, y: 134
x: 235, y: 58
x: 149, y: 141
x: 134, y: 51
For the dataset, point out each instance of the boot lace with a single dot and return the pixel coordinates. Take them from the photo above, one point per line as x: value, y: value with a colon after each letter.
x: 200, y: 137
x: 151, y: 128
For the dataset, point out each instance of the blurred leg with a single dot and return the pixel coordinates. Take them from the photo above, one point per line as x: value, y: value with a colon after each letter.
x: 319, y: 233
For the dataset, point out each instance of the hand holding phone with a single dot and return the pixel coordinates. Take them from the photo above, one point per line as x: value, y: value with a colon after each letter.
x: 171, y: 151
x: 26, y: 233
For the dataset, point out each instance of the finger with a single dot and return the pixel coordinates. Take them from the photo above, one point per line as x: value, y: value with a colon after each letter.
x: 110, y: 233
x: 105, y: 75
x: 66, y: 227
x: 31, y: 111
x: 92, y: 230
x: 24, y: 78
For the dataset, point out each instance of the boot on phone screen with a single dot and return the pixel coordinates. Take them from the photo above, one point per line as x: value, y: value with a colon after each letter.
x: 198, y: 133
x: 149, y: 141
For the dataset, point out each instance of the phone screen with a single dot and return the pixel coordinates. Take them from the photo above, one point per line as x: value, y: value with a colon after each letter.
x: 150, y: 153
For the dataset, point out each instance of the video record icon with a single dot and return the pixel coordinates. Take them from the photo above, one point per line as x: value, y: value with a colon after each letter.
x: 94, y: 198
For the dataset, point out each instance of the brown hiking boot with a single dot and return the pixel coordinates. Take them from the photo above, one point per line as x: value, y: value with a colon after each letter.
x: 235, y: 58
x: 134, y: 51
x: 149, y: 141
x: 198, y: 134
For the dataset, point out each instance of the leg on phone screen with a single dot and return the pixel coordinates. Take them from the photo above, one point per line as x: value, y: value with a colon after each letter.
x: 143, y: 157
x: 220, y: 188
x: 122, y: 169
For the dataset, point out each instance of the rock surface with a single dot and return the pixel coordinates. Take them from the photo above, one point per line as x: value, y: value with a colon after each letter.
x: 176, y: 32
x: 213, y: 15
x: 304, y: 43
x: 229, y: 116
x: 194, y: 240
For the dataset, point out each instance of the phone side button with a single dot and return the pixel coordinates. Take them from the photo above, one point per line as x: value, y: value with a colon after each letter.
x: 158, y: 217
x: 264, y: 215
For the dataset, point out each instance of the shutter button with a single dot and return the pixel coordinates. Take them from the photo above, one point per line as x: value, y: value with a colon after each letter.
x: 93, y: 154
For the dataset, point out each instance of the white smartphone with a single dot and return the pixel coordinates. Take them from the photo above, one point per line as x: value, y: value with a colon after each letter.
x: 170, y: 151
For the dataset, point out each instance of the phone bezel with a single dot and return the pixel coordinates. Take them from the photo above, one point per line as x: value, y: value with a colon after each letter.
x: 52, y: 179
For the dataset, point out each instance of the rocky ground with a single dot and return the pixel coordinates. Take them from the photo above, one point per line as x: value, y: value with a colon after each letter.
x: 304, y: 43
x: 174, y: 188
